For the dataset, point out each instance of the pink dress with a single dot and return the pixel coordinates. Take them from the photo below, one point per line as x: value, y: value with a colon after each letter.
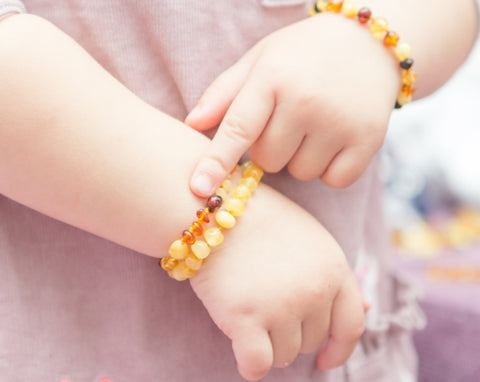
x: 75, y: 307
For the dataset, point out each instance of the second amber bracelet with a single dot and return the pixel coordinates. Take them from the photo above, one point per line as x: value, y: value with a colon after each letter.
x: 187, y: 254
x: 379, y: 28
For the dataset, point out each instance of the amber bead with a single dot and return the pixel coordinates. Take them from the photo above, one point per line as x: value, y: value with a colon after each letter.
x: 242, y: 192
x: 214, y: 202
x: 409, y: 77
x: 391, y: 38
x: 408, y: 90
x: 350, y: 8
x: 379, y: 27
x: 193, y: 262
x: 181, y: 272
x: 168, y: 263
x: 403, y: 99
x: 188, y: 237
x: 235, y: 206
x: 222, y: 193
x: 402, y: 51
x: 406, y: 64
x: 364, y: 15
x: 178, y: 249
x: 253, y: 172
x: 202, y: 216
x: 213, y: 236
x: 225, y: 219
x: 227, y: 184
x: 200, y: 249
x: 251, y: 183
x: 335, y: 5
x: 196, y: 229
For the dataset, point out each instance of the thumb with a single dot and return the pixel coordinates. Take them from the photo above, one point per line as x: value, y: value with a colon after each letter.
x: 242, y: 125
x: 218, y: 97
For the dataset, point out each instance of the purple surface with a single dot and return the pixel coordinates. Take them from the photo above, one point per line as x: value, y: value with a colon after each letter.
x: 449, y: 347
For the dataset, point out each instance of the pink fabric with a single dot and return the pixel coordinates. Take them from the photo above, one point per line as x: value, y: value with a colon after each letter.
x: 77, y: 307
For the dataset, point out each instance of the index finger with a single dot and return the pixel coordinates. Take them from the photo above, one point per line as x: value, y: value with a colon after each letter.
x: 243, y: 123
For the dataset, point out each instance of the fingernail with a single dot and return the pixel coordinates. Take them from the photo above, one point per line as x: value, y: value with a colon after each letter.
x: 202, y: 184
x: 194, y: 113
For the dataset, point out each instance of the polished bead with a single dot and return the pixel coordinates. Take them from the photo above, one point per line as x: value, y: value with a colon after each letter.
x: 200, y: 249
x: 364, y: 15
x: 379, y: 27
x: 350, y: 9
x: 253, y: 172
x: 202, y: 215
x: 214, y: 202
x: 251, y: 183
x: 222, y: 193
x: 242, y: 192
x: 178, y: 250
x: 408, y: 90
x: 193, y: 262
x: 402, y: 51
x: 168, y: 263
x: 196, y: 229
x: 409, y: 77
x: 213, y: 236
x: 235, y: 206
x: 391, y: 38
x: 188, y: 237
x: 181, y: 272
x: 227, y: 184
x: 406, y: 64
x: 403, y: 99
x: 335, y: 5
x: 225, y: 219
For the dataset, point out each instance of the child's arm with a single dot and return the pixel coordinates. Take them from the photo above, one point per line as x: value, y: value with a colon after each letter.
x: 78, y: 146
x: 317, y: 95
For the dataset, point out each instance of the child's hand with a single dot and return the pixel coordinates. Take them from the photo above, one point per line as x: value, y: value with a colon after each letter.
x: 315, y: 96
x: 278, y: 285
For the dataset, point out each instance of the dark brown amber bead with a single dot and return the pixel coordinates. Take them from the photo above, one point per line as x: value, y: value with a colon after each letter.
x: 214, y: 202
x: 406, y: 64
x: 188, y: 237
x: 364, y: 15
x: 202, y: 216
x: 196, y: 229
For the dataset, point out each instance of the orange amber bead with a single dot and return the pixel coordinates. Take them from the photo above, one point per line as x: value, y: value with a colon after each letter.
x: 391, y: 38
x: 335, y: 6
x: 409, y: 77
x: 408, y: 90
x: 196, y: 229
x: 168, y: 263
x: 202, y: 216
x: 188, y: 237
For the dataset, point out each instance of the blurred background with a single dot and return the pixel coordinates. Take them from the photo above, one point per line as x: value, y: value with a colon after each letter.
x: 431, y: 173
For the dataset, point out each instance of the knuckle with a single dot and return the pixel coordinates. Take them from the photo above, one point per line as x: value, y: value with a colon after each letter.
x: 235, y: 130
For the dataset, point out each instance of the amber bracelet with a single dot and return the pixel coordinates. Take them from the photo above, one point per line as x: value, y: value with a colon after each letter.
x: 187, y: 254
x: 379, y: 28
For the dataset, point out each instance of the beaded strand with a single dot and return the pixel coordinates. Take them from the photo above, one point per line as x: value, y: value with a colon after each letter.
x: 379, y: 28
x: 187, y: 254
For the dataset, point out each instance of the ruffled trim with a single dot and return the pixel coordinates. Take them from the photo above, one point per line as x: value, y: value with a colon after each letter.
x: 11, y: 6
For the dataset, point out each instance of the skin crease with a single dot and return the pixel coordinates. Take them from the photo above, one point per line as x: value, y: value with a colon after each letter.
x: 321, y: 106
x: 71, y: 155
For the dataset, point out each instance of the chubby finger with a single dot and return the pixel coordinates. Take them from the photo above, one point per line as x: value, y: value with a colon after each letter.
x: 314, y: 332
x: 243, y: 123
x: 286, y: 339
x: 347, y: 326
x: 253, y: 351
x: 215, y: 101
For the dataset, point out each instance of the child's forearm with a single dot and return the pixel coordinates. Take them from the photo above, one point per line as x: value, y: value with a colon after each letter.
x: 441, y: 35
x: 78, y: 146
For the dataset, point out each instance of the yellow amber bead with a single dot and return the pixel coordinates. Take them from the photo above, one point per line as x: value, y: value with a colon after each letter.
x: 227, y: 184
x: 402, y: 51
x: 168, y: 263
x: 409, y: 77
x: 178, y: 250
x: 225, y: 219
x: 350, y: 9
x: 322, y: 5
x: 242, y: 192
x: 213, y: 236
x: 181, y: 272
x: 251, y: 183
x: 335, y: 5
x: 200, y: 249
x: 379, y: 27
x: 403, y: 98
x: 235, y: 206
x: 193, y: 262
x: 253, y: 172
x: 222, y: 193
